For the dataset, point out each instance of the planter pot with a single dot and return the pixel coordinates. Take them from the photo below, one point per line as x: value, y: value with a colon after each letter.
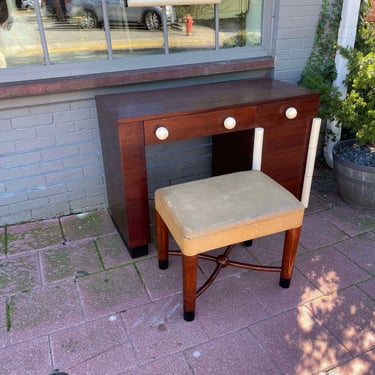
x: 355, y: 183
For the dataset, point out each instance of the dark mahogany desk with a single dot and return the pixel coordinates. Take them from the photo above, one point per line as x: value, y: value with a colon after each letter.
x: 130, y: 121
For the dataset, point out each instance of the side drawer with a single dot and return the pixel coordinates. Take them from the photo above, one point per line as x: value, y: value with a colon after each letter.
x: 276, y: 113
x: 199, y: 124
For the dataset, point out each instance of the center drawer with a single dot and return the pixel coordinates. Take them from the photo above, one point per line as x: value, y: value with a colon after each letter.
x: 197, y: 125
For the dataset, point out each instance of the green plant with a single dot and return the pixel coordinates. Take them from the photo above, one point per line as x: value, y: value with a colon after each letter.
x: 320, y: 70
x: 356, y: 111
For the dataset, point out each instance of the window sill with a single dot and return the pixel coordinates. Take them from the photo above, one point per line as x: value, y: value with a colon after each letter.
x: 83, y: 82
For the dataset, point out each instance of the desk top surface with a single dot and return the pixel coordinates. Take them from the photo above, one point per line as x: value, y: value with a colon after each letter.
x: 141, y: 105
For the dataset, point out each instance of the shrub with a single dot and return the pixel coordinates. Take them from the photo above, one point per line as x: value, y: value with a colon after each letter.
x: 356, y: 111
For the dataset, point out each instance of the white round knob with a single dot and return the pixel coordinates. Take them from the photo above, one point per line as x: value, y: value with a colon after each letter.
x: 291, y: 113
x: 162, y: 133
x: 229, y: 123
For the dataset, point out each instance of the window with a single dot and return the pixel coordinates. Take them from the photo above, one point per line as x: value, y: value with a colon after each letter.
x: 54, y: 38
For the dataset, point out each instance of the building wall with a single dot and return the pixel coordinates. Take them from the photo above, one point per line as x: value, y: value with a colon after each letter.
x: 50, y: 161
x: 50, y: 154
x: 296, y: 23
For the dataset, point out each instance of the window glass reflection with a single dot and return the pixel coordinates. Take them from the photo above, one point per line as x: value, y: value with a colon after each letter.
x: 19, y: 36
x: 78, y: 30
x: 140, y: 30
x: 241, y: 23
x: 194, y: 30
x: 73, y: 30
x: 247, y: 30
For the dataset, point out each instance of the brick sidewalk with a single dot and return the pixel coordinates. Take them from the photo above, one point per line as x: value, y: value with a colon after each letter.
x: 72, y: 301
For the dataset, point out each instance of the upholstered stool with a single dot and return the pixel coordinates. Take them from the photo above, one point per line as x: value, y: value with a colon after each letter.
x: 222, y: 211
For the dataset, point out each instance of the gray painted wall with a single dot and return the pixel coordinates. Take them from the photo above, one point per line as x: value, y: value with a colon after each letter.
x: 295, y: 25
x: 50, y: 154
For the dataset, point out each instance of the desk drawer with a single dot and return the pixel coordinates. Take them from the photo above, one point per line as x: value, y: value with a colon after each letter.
x: 199, y: 124
x: 276, y: 113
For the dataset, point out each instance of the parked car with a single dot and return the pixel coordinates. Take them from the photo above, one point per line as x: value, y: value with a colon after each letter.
x: 90, y: 13
x: 27, y: 4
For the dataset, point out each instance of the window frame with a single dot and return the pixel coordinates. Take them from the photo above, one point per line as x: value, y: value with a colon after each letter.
x: 133, y: 64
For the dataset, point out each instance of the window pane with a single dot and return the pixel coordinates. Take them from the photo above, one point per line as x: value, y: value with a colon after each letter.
x: 132, y: 31
x: 194, y: 30
x: 241, y: 23
x: 139, y: 31
x: 73, y: 30
x: 19, y: 36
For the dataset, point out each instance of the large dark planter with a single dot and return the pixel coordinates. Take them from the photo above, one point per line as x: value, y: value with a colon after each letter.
x: 355, y: 183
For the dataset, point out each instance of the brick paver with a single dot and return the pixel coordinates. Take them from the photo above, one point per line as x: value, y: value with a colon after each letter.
x: 86, y: 225
x: 96, y: 347
x: 44, y: 310
x: 113, y: 290
x: 33, y: 236
x: 298, y: 343
x: 19, y: 274
x: 70, y: 261
x: 329, y: 270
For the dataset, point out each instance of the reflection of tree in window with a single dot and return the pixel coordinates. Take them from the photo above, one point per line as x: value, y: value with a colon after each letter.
x: 240, y: 21
x: 3, y: 11
x: 245, y: 29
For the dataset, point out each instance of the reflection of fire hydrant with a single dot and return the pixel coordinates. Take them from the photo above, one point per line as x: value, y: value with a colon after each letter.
x: 189, y: 24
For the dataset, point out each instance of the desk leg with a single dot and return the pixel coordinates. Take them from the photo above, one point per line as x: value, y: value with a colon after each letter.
x: 132, y: 220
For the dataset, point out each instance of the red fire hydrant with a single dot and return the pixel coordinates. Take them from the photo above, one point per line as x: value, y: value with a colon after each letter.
x: 189, y: 24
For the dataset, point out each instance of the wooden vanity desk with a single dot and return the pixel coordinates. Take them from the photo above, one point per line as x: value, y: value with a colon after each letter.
x: 227, y: 111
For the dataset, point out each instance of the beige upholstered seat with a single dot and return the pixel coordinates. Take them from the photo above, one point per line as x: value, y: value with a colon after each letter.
x: 221, y: 211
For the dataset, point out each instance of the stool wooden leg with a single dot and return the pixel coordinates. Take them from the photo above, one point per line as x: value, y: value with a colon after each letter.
x: 289, y: 255
x: 162, y: 241
x: 189, y: 274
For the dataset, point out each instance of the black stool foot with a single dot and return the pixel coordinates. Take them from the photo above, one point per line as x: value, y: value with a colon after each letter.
x: 189, y: 315
x: 248, y: 243
x: 284, y: 283
x: 163, y: 264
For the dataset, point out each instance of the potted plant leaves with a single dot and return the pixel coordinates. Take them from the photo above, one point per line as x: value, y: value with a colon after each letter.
x: 354, y: 156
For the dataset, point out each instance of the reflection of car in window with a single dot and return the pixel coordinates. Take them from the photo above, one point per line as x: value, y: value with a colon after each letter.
x: 27, y: 4
x: 90, y: 13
